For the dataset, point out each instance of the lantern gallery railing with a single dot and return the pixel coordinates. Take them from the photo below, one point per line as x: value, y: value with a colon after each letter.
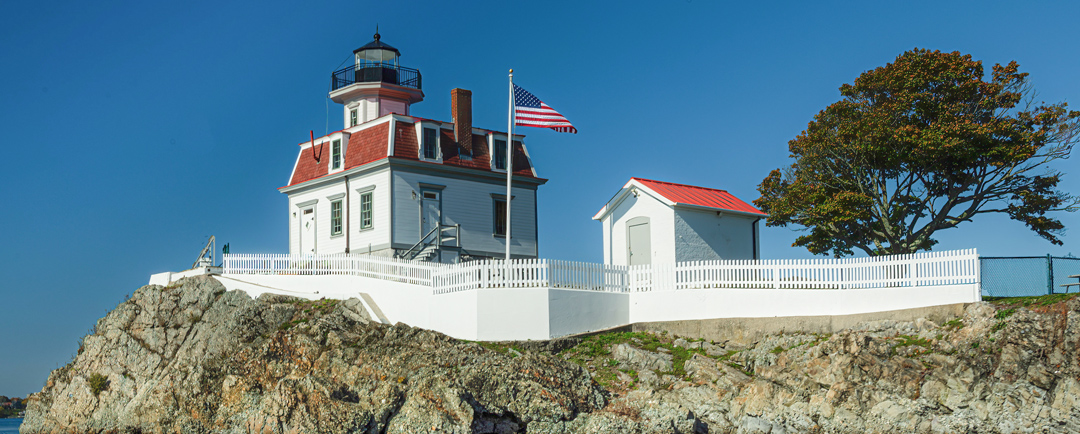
x: 919, y: 269
x: 376, y: 73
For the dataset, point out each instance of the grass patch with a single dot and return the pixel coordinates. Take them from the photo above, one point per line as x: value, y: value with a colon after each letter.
x: 1040, y: 300
x: 777, y: 350
x: 909, y: 341
x: 1005, y: 313
x: 998, y: 327
x: 954, y: 324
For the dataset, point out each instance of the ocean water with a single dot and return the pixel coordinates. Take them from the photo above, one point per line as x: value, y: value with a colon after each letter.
x: 10, y: 426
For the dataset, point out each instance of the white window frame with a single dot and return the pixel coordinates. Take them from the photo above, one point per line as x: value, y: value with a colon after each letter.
x: 370, y: 195
x: 338, y: 219
x: 337, y: 154
x: 354, y: 117
x: 420, y: 141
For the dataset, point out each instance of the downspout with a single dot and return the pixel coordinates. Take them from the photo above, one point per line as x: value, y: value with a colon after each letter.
x: 753, y: 235
x: 347, y: 231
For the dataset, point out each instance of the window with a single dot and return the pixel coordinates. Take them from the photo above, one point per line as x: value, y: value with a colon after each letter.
x: 365, y: 211
x: 335, y: 217
x: 431, y: 141
x: 335, y: 159
x: 500, y: 217
x: 499, y: 154
x: 352, y: 118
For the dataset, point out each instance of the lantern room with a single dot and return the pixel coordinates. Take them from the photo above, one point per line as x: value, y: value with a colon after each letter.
x: 376, y: 84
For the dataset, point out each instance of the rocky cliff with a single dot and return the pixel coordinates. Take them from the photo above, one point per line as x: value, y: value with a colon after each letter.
x: 193, y: 358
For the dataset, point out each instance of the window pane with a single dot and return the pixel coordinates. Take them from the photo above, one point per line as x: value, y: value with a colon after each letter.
x: 365, y: 211
x: 335, y: 217
x: 430, y: 141
x: 352, y: 117
x: 500, y: 154
x: 336, y: 152
x: 500, y: 217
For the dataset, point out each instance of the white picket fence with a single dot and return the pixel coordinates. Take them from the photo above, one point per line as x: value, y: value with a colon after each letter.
x: 530, y: 273
x: 919, y: 269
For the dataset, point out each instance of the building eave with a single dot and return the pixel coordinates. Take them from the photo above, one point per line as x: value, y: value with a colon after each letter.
x: 719, y: 210
x: 325, y: 179
x: 479, y: 173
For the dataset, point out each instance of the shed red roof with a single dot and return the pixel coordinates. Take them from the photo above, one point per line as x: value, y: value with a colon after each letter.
x: 371, y: 144
x: 699, y: 196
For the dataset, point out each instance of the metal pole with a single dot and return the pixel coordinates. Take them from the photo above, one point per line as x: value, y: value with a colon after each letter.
x: 509, y: 163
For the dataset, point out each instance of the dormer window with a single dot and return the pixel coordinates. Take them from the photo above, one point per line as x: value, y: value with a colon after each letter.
x: 429, y: 136
x: 498, y: 154
x: 335, y: 155
x: 353, y: 119
x: 431, y: 142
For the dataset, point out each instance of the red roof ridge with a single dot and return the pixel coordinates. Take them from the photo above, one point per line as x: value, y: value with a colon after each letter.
x: 320, y: 137
x: 686, y: 194
x: 677, y: 184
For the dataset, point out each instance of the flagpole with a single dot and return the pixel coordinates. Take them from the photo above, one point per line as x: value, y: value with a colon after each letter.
x: 509, y: 164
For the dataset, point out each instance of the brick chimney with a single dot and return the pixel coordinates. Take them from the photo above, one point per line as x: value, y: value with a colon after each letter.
x: 461, y: 106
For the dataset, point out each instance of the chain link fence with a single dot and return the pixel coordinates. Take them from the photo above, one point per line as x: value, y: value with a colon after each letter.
x: 1020, y: 276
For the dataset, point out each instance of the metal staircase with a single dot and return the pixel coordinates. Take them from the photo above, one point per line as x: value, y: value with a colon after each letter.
x: 431, y: 245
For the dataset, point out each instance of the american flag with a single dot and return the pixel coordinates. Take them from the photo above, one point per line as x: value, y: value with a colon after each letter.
x: 529, y: 111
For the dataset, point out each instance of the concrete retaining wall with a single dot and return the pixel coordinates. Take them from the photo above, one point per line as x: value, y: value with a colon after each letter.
x: 748, y: 330
x: 545, y: 313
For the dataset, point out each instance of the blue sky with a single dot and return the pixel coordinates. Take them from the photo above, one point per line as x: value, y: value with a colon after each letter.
x: 134, y: 130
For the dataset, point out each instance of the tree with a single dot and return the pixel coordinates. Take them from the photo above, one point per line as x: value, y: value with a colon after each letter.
x: 921, y: 145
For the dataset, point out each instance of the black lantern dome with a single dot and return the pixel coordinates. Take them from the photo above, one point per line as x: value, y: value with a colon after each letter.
x: 376, y: 51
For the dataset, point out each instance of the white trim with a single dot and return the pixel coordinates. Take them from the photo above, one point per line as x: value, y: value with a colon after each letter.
x: 491, y: 137
x: 392, y: 134
x: 372, y: 166
x: 307, y: 203
x: 528, y: 158
x: 333, y: 197
x: 366, y: 189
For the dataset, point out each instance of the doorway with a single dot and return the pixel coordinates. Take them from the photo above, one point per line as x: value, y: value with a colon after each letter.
x: 307, y: 231
x: 430, y: 211
x: 639, y: 247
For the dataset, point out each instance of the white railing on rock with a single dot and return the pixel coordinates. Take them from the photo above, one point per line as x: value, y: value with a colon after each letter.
x: 919, y: 269
x: 530, y: 273
x: 392, y: 269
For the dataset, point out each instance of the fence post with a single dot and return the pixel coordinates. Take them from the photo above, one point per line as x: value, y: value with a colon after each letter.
x: 1049, y: 274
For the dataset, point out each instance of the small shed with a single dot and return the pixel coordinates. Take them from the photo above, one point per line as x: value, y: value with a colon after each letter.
x: 656, y: 222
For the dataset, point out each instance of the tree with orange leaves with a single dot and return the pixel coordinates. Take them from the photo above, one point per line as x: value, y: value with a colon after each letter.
x: 920, y: 145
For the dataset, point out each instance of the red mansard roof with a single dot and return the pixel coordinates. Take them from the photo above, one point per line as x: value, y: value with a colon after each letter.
x: 699, y: 196
x: 370, y: 144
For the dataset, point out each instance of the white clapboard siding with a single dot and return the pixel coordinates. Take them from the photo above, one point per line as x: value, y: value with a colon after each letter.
x: 920, y: 269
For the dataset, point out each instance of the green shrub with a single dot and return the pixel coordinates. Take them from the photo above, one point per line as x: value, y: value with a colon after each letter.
x: 98, y: 383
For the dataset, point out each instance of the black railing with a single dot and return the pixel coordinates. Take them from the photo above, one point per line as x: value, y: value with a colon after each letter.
x: 375, y: 73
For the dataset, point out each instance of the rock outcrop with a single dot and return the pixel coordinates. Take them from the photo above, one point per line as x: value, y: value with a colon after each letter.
x: 194, y: 358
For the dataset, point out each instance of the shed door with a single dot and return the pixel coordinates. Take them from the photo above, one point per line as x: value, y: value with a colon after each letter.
x: 430, y: 212
x: 640, y: 248
x: 307, y: 231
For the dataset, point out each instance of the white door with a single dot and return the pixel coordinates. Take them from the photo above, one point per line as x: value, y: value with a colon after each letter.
x: 640, y: 247
x: 430, y: 212
x: 307, y: 231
